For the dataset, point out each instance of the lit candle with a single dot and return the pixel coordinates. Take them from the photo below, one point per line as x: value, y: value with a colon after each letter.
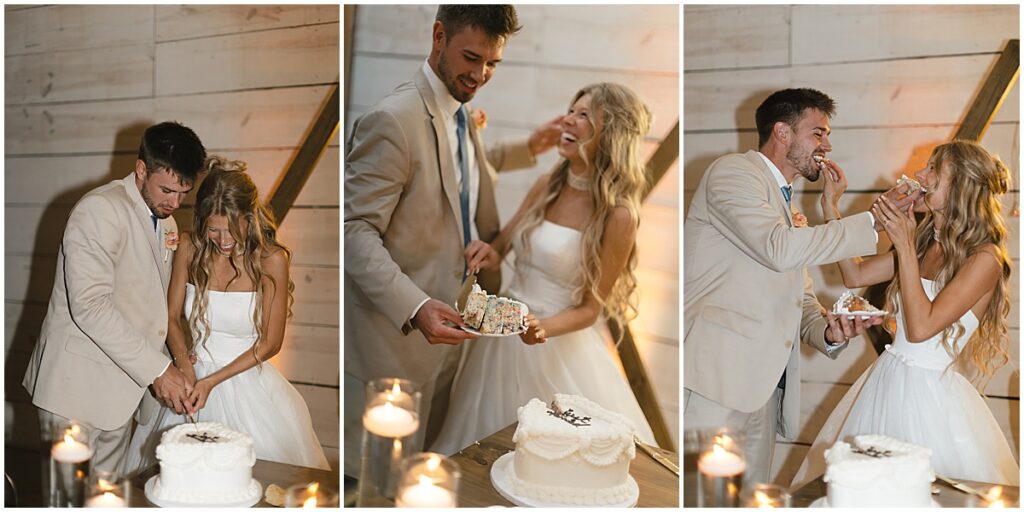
x: 994, y: 498
x: 69, y: 450
x: 387, y: 420
x: 310, y: 502
x: 425, y: 495
x: 105, y: 500
x: 721, y: 462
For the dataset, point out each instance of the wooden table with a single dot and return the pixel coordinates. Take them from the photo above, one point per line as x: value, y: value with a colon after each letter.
x: 659, y: 487
x: 266, y: 472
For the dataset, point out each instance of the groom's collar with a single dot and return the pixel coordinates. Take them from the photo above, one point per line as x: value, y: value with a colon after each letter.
x: 445, y: 101
x: 776, y: 173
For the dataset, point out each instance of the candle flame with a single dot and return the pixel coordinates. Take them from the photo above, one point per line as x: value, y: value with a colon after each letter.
x: 68, y: 438
x: 74, y: 430
x: 313, y: 487
x: 396, y: 389
x: 762, y: 499
x: 426, y: 481
x: 718, y: 450
x: 105, y: 486
x: 309, y: 503
x: 433, y: 462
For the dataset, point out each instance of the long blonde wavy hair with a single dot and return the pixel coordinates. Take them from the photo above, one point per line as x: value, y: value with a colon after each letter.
x: 973, y: 219
x: 619, y: 179
x: 229, y: 191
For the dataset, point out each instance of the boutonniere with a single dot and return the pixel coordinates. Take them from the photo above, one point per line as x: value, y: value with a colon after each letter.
x: 479, y: 118
x: 170, y: 242
x: 799, y: 219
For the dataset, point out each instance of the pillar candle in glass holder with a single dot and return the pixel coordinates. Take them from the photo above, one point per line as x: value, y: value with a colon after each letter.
x: 107, y: 489
x: 70, y: 463
x: 995, y: 496
x: 721, y: 466
x: 428, y: 480
x: 391, y: 425
x: 311, y: 495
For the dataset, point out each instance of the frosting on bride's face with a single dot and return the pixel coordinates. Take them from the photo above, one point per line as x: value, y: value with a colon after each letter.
x: 581, y: 126
x: 218, y: 232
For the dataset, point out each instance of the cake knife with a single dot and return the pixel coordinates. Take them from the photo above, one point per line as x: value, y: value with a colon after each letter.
x: 467, y: 286
x: 961, y: 487
x: 661, y: 459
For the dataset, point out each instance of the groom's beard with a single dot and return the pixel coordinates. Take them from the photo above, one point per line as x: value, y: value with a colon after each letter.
x: 148, y: 199
x: 804, y: 164
x: 449, y: 81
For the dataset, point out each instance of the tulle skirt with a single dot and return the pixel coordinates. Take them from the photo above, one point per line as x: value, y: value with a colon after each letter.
x: 497, y: 376
x: 259, y: 402
x: 930, y: 407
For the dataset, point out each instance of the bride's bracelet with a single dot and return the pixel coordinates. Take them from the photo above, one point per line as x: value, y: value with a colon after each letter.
x: 175, y: 358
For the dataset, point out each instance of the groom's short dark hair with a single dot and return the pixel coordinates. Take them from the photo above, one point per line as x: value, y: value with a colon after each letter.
x: 497, y: 21
x: 787, y: 106
x: 175, y: 147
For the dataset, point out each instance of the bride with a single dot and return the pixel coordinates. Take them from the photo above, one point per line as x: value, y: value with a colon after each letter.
x: 575, y: 242
x: 230, y: 280
x: 950, y: 298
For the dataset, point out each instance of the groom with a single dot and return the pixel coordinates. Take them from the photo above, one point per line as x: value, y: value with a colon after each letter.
x: 418, y: 187
x: 749, y: 299
x: 102, y: 341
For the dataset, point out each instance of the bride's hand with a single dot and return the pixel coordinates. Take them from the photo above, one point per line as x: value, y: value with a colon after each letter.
x: 534, y: 332
x: 200, y: 393
x: 480, y: 255
x: 900, y: 225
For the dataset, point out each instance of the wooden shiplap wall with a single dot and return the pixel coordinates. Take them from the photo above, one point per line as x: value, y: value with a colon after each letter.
x: 903, y: 77
x: 559, y: 50
x: 83, y: 82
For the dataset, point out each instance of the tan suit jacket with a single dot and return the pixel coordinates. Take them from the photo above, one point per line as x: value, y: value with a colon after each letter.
x: 102, y: 341
x: 403, y: 231
x: 747, y: 294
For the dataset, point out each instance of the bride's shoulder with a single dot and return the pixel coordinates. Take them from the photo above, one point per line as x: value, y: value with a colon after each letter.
x: 275, y: 256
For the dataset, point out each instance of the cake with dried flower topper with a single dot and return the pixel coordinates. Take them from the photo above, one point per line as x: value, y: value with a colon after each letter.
x: 572, y: 452
x: 491, y: 314
x: 205, y: 464
x: 878, y: 471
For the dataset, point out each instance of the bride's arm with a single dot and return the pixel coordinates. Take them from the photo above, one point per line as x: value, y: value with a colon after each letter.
x: 481, y: 254
x: 616, y: 244
x: 275, y: 313
x: 175, y: 307
x: 925, y: 318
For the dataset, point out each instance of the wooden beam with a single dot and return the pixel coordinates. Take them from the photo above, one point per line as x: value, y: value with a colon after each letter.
x: 301, y: 167
x: 992, y: 94
x: 657, y: 166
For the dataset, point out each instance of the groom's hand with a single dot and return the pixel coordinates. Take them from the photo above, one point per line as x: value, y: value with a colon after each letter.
x: 173, y: 390
x: 430, y: 320
x: 841, y: 328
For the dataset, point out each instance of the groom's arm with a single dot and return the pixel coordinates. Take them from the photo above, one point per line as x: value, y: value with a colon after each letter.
x: 92, y: 243
x: 377, y: 167
x: 813, y: 323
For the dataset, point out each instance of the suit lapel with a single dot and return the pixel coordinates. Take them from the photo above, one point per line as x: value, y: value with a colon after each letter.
x: 775, y: 196
x: 145, y: 225
x: 486, y: 223
x: 445, y: 165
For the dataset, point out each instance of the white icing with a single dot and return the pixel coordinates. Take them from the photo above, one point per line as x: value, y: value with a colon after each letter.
x: 901, y: 479
x: 558, y: 462
x: 193, y: 471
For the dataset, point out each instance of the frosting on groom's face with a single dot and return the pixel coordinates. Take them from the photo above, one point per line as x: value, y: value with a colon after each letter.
x: 810, y: 138
x: 465, y: 61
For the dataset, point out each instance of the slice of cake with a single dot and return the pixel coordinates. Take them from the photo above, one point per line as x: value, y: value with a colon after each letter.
x: 572, y: 452
x: 850, y: 303
x: 879, y: 471
x: 491, y: 314
x: 205, y: 464
x: 914, y: 184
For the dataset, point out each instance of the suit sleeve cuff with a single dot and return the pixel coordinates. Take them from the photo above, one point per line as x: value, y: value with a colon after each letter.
x: 415, y: 311
x: 871, y: 224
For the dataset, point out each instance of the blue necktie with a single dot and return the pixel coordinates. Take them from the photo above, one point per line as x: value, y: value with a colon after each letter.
x: 787, y: 192
x: 460, y: 116
x: 153, y: 218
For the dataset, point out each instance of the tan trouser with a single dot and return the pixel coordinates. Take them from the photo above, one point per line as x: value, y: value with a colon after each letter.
x: 759, y: 427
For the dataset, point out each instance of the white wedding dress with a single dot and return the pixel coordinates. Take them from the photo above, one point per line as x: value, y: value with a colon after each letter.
x: 259, y: 401
x: 498, y: 375
x: 907, y: 394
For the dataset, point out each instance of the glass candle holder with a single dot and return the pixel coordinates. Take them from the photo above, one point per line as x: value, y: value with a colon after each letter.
x: 721, y: 465
x: 390, y: 428
x: 312, y: 495
x: 995, y: 496
x: 428, y: 480
x: 108, y: 490
x: 765, y: 496
x: 70, y: 463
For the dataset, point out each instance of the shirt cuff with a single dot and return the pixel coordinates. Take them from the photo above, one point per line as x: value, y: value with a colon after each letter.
x: 871, y: 219
x: 417, y: 310
x: 168, y: 365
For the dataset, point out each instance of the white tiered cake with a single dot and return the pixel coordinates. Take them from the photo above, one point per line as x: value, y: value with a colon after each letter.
x: 879, y: 471
x: 573, y: 452
x: 205, y: 463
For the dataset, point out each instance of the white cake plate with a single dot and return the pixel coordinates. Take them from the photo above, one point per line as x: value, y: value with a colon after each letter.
x: 822, y: 502
x: 148, y: 489
x: 502, y: 484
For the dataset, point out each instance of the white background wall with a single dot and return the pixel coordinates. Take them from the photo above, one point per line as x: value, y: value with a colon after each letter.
x: 83, y: 82
x: 903, y: 77
x: 559, y: 50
